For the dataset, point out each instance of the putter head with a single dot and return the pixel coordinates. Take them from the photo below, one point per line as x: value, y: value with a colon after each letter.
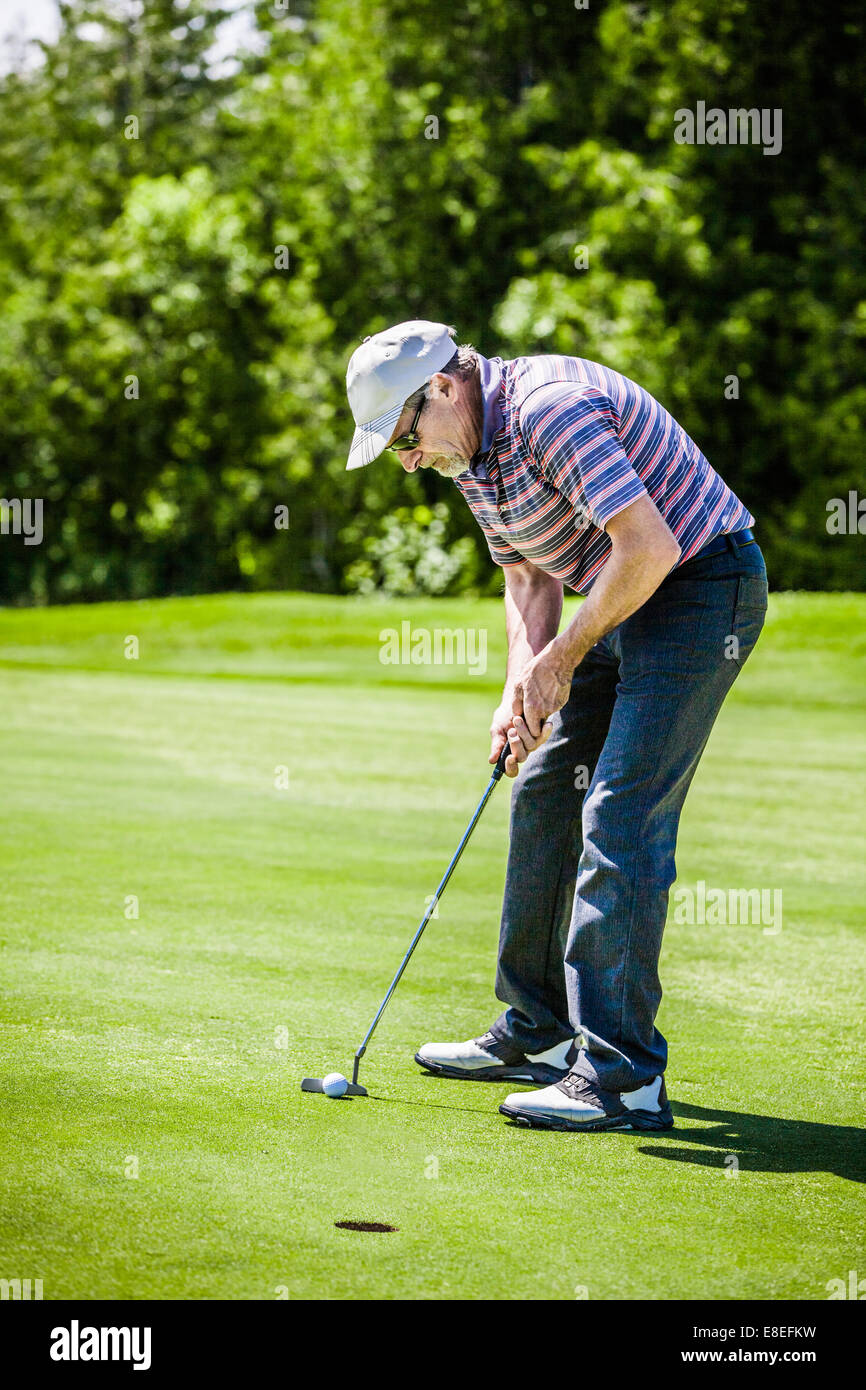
x: 314, y: 1083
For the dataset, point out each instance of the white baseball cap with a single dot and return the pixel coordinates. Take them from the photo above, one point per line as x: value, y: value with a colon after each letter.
x: 384, y: 372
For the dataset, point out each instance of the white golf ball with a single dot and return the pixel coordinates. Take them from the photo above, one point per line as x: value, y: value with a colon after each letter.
x: 335, y: 1085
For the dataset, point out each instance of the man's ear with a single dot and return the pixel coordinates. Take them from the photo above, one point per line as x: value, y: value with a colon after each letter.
x: 443, y: 386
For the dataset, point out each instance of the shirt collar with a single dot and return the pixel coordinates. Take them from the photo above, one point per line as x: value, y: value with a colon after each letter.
x: 490, y: 371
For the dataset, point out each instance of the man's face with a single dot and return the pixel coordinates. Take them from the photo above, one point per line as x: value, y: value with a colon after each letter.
x: 449, y: 429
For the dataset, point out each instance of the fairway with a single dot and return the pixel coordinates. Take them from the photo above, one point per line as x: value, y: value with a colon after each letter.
x: 156, y: 1143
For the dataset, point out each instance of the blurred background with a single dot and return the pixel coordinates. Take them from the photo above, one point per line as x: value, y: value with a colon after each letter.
x: 205, y: 208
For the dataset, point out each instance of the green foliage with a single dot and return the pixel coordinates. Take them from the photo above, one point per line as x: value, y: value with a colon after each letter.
x: 508, y: 168
x: 410, y: 555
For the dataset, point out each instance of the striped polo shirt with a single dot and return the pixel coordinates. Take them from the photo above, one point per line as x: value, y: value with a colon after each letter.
x: 566, y: 445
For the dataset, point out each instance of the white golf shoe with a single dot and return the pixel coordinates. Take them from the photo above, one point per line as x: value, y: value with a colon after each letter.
x: 577, y: 1104
x: 487, y: 1059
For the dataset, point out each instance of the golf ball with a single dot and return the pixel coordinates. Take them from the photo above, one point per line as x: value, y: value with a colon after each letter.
x: 335, y: 1085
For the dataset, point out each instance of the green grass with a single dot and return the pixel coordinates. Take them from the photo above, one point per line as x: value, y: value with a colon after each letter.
x: 270, y: 922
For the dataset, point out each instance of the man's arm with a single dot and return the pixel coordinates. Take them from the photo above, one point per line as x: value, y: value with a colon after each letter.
x: 643, y: 551
x: 533, y: 608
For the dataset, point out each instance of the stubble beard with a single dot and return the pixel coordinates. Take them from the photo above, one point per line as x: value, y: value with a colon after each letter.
x: 450, y: 465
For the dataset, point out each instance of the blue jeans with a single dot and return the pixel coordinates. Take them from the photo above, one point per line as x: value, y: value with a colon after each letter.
x: 595, y: 814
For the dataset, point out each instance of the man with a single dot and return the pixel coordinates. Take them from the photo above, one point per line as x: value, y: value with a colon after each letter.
x: 578, y: 476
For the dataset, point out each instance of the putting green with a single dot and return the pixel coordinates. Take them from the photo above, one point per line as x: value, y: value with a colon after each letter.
x: 156, y: 1143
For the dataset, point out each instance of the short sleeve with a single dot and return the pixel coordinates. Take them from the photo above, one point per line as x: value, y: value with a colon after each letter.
x: 501, y: 553
x: 568, y: 428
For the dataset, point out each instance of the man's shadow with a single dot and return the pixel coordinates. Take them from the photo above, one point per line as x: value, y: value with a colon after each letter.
x: 764, y: 1144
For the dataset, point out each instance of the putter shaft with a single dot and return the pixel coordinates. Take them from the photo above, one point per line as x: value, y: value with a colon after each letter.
x: 496, y: 775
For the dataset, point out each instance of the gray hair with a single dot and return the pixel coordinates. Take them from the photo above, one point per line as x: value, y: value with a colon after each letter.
x: 463, y: 365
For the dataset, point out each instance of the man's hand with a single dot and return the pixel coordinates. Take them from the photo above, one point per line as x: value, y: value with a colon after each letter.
x: 523, y: 717
x: 541, y: 689
x: 508, y: 727
x: 499, y: 726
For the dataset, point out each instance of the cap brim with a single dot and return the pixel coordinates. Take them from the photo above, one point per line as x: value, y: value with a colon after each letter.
x: 371, y: 440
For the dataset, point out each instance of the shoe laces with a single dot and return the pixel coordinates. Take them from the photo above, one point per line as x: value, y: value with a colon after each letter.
x: 577, y: 1087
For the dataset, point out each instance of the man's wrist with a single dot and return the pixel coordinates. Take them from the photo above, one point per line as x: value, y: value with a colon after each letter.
x: 566, y: 653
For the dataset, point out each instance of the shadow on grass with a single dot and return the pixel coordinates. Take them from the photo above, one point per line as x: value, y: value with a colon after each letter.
x: 432, y: 1105
x: 763, y: 1143
x: 760, y: 1143
x: 449, y: 1084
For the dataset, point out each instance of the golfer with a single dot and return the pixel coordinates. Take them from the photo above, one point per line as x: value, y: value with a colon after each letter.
x: 578, y: 477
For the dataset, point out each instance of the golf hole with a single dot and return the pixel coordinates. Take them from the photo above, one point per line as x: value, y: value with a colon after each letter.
x: 364, y: 1226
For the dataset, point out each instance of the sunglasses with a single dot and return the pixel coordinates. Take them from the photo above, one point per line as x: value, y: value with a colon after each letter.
x: 410, y: 440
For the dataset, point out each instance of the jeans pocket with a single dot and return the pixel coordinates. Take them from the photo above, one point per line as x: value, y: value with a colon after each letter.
x: 668, y: 632
x: 750, y: 610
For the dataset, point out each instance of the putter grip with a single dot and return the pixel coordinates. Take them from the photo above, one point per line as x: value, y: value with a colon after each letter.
x: 501, y: 760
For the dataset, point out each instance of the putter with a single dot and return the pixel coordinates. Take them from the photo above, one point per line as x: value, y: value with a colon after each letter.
x: 354, y: 1088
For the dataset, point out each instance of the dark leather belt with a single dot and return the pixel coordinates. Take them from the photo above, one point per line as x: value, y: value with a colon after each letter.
x: 734, y: 541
